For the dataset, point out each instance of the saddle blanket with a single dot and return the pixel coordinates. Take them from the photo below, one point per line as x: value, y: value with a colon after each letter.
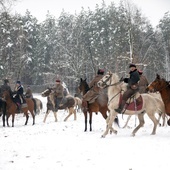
x: 135, y: 105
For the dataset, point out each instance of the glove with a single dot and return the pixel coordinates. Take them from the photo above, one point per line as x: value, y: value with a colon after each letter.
x: 126, y: 80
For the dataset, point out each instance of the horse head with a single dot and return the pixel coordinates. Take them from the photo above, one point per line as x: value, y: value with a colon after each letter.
x: 47, y: 92
x: 83, y: 86
x: 158, y: 84
x: 5, y: 95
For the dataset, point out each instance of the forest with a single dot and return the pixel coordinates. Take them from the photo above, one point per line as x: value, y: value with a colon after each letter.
x: 71, y: 47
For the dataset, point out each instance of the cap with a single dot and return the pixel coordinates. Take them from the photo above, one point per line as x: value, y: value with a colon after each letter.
x: 100, y: 71
x: 18, y: 82
x: 6, y: 81
x: 132, y: 65
x: 58, y: 80
x: 140, y: 72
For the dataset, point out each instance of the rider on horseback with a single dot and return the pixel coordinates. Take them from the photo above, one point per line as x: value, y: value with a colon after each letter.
x: 58, y: 90
x: 132, y: 87
x: 18, y: 97
x: 94, y: 90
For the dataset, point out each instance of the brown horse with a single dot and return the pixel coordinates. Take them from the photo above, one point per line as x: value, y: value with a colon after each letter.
x: 163, y: 87
x: 68, y: 102
x: 11, y: 108
x: 100, y: 104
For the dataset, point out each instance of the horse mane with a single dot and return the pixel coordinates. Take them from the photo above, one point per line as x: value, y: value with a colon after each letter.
x: 87, y: 88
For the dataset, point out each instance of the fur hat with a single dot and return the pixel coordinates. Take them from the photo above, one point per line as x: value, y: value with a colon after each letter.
x: 100, y: 71
x: 140, y: 72
x: 132, y: 65
x: 58, y: 81
x: 6, y: 81
x: 18, y: 82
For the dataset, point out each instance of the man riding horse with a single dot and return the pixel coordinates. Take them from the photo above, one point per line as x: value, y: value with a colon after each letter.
x: 132, y: 86
x: 58, y: 91
x: 18, y: 95
x: 94, y: 90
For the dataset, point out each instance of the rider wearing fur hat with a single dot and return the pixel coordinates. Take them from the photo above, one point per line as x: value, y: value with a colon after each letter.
x: 132, y: 87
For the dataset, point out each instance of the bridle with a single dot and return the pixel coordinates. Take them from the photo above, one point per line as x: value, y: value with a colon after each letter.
x: 104, y: 82
x: 110, y: 84
x: 161, y: 88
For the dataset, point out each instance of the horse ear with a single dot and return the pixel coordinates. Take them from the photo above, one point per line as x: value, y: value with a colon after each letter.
x: 158, y: 76
x: 81, y: 79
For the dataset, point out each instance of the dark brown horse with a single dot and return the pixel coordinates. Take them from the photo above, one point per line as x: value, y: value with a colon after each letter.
x: 100, y: 104
x: 68, y: 102
x: 163, y: 87
x: 11, y: 108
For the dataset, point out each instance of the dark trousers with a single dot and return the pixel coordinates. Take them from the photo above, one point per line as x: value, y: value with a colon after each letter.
x: 57, y: 103
x: 127, y: 94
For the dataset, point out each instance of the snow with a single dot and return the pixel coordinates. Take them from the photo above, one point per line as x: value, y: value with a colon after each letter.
x: 65, y: 145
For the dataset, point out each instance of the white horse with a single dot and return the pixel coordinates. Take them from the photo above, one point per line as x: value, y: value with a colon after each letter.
x: 115, y: 90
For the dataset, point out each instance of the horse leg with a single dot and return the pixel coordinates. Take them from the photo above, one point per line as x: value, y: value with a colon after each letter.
x: 127, y: 121
x: 13, y: 117
x: 85, y: 118
x: 75, y: 115
x: 70, y: 111
x: 90, y: 120
x: 33, y: 116
x: 141, y: 123
x: 155, y: 121
x: 27, y: 117
x: 3, y: 119
x: 55, y: 116
x: 109, y: 122
x: 7, y: 119
x: 46, y: 114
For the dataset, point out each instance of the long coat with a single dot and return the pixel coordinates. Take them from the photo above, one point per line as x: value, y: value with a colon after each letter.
x: 143, y: 83
x: 94, y: 91
x: 18, y: 94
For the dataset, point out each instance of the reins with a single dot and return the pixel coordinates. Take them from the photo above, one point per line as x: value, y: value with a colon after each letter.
x: 108, y: 85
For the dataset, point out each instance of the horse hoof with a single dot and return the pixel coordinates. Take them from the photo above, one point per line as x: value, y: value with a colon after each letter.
x: 133, y: 135
x: 168, y: 122
x: 102, y: 136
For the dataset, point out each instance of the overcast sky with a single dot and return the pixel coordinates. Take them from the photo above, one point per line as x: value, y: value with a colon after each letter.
x: 152, y: 9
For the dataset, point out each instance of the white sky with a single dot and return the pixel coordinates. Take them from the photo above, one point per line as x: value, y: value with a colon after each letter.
x: 152, y: 9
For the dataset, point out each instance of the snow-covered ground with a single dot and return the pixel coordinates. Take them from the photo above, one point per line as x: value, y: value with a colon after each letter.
x: 65, y: 145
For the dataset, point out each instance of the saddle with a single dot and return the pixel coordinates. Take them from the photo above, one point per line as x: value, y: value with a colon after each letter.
x: 134, y: 103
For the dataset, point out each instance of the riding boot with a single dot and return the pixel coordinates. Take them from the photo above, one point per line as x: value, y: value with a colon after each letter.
x: 18, y: 107
x: 121, y: 106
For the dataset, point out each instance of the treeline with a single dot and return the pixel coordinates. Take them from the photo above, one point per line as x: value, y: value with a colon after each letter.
x: 74, y: 46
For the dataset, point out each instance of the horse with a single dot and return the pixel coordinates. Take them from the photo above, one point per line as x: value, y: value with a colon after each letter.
x: 68, y: 103
x: 99, y: 105
x: 161, y: 111
x: 11, y: 108
x: 39, y: 105
x: 163, y: 87
x: 145, y: 103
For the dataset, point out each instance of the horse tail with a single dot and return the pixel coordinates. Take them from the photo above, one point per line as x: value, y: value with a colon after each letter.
x: 41, y: 105
x: 35, y: 105
x: 117, y: 121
